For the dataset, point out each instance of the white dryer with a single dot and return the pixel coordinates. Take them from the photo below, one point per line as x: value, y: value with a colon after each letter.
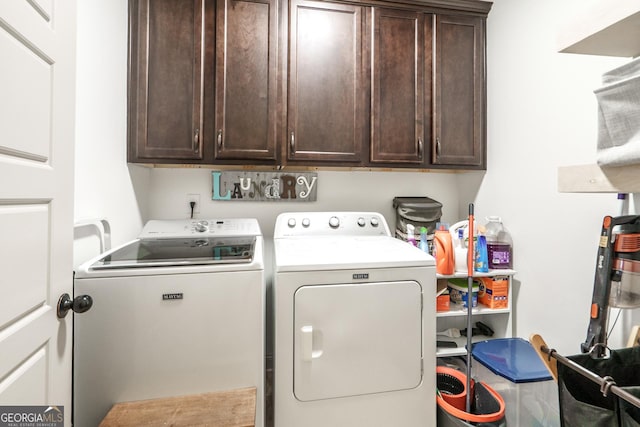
x: 354, y: 320
x: 178, y: 311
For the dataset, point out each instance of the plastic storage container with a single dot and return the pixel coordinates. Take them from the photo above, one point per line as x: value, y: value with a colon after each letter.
x: 499, y: 244
x: 459, y: 290
x: 625, y: 291
x: 513, y: 368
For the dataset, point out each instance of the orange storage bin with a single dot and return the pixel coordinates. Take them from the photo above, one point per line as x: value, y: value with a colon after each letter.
x: 494, y: 292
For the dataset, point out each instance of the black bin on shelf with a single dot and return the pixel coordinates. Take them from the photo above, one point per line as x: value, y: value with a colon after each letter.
x: 419, y: 212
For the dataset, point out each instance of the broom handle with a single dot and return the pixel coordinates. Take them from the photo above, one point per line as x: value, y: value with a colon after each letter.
x: 470, y: 259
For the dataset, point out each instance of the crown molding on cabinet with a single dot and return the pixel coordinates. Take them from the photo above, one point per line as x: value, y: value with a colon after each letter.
x: 469, y: 6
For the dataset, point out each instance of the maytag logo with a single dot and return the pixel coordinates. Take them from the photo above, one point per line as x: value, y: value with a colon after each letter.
x: 360, y: 276
x: 166, y: 297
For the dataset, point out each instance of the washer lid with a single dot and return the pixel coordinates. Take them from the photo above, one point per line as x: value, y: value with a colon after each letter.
x: 175, y: 252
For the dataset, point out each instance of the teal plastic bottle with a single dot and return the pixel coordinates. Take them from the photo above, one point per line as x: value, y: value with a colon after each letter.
x: 424, y: 243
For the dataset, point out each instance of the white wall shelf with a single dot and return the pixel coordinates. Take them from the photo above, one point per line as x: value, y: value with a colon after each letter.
x: 491, y: 273
x: 499, y: 319
x: 596, y: 179
x: 460, y: 350
x: 608, y: 28
x: 480, y: 309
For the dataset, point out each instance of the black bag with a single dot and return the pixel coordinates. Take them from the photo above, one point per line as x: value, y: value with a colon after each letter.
x: 582, y: 402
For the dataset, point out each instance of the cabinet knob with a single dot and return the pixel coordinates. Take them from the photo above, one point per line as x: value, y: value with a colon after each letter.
x: 219, y: 138
x: 292, y: 143
x: 196, y: 140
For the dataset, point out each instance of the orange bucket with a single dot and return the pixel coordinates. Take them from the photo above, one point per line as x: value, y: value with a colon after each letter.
x: 452, y: 385
x: 452, y: 396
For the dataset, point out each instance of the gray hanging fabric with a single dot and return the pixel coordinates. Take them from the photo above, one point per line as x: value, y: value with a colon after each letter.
x: 619, y: 116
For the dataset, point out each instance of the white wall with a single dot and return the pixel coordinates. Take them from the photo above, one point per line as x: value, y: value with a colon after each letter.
x: 541, y: 114
x: 105, y: 186
x: 349, y: 190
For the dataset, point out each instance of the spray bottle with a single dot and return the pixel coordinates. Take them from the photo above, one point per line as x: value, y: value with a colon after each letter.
x: 411, y: 238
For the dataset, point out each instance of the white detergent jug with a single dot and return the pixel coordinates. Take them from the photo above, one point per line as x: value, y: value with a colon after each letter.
x: 459, y: 235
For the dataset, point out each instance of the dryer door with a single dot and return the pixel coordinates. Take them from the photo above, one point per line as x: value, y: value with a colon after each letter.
x: 356, y: 339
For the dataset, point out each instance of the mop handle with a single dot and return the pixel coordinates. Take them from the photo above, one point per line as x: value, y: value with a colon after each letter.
x: 470, y: 260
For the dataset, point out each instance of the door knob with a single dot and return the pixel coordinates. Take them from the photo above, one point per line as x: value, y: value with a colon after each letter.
x: 79, y: 304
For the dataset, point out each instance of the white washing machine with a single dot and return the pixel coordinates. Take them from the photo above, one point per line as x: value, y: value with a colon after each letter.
x: 354, y: 320
x: 178, y: 311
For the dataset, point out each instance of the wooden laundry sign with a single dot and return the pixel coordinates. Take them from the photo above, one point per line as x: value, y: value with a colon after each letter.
x: 259, y: 186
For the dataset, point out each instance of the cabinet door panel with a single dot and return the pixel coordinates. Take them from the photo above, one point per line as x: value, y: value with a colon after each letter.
x: 246, y: 37
x: 397, y: 131
x: 166, y: 83
x: 460, y: 92
x: 326, y: 107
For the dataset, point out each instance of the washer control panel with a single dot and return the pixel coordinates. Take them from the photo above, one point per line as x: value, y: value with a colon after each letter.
x: 200, y: 227
x: 331, y: 224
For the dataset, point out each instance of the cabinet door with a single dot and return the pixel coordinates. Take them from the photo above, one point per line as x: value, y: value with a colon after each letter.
x: 327, y: 98
x: 459, y: 121
x: 246, y: 43
x: 166, y: 80
x: 397, y: 126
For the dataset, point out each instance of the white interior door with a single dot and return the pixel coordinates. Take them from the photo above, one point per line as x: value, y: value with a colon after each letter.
x: 356, y: 339
x: 37, y: 110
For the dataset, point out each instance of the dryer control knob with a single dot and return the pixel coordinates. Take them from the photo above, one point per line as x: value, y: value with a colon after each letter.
x: 375, y: 222
x: 306, y: 222
x: 361, y: 222
x: 334, y: 222
x: 292, y: 222
x: 201, y: 226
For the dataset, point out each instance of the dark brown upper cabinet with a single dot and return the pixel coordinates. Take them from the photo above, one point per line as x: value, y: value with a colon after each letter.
x: 245, y: 80
x: 308, y: 83
x: 327, y: 114
x: 166, y: 80
x: 460, y: 92
x: 399, y: 124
